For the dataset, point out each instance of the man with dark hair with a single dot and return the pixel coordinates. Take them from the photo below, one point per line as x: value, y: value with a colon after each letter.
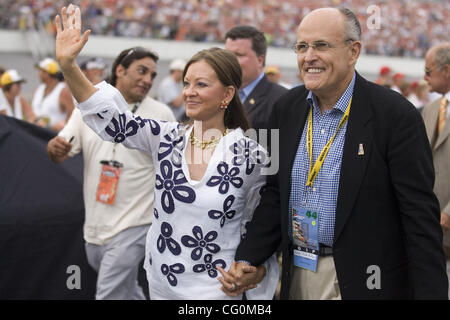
x: 257, y: 93
x: 352, y: 203
x: 118, y: 182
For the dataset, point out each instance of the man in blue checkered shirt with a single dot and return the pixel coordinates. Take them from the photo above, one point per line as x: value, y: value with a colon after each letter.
x: 356, y: 155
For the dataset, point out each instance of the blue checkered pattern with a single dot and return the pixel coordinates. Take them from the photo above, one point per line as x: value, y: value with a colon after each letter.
x: 322, y: 197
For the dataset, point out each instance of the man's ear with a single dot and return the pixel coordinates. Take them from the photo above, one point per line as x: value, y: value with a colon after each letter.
x: 120, y: 70
x: 355, y: 51
x: 261, y: 59
x: 446, y: 71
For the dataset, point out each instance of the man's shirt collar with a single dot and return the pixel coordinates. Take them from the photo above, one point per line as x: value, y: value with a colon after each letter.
x: 343, y: 101
x: 245, y: 92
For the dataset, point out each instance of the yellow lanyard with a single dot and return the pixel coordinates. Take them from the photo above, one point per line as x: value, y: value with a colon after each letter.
x: 314, y: 171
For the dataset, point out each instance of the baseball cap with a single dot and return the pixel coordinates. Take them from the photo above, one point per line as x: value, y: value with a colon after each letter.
x: 177, y: 64
x: 398, y: 75
x: 93, y: 63
x: 385, y: 70
x: 272, y: 70
x: 48, y: 65
x: 11, y: 76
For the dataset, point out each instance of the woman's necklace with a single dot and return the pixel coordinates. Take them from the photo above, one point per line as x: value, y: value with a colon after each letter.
x: 206, y: 144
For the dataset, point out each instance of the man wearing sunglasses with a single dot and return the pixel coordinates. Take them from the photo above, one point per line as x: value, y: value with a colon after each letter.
x: 118, y: 182
x: 436, y: 115
x: 352, y: 204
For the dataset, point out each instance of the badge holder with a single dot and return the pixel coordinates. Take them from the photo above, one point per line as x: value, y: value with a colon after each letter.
x: 305, y: 237
x: 109, y: 179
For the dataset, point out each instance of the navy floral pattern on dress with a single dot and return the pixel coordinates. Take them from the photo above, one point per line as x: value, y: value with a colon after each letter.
x: 226, y: 178
x: 172, y: 183
x: 246, y: 151
x: 226, y: 213
x: 209, y: 266
x: 120, y: 128
x: 155, y: 212
x: 169, y: 271
x: 165, y: 240
x: 198, y: 242
x: 174, y: 144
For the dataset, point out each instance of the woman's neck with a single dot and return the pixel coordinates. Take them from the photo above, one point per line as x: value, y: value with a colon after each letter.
x: 207, y: 130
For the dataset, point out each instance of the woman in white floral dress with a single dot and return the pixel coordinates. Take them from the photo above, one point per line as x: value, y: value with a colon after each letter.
x: 208, y: 175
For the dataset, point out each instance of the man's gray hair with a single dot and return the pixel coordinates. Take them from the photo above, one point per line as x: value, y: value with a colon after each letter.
x: 442, y: 55
x: 352, y: 27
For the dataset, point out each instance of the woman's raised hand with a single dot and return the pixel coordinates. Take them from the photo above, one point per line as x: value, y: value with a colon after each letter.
x: 69, y: 40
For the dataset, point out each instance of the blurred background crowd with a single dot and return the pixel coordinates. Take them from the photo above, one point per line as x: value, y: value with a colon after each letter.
x: 407, y: 28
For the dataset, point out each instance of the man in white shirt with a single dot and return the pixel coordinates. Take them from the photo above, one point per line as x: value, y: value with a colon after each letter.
x: 118, y: 182
x: 171, y: 88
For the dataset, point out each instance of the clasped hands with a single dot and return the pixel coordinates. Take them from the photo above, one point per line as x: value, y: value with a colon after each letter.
x: 240, y: 277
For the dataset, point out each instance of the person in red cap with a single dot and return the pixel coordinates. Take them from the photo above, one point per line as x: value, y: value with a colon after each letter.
x: 384, y: 78
x: 397, y: 82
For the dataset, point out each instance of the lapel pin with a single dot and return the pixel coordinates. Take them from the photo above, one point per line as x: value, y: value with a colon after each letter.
x: 361, y: 150
x: 252, y: 101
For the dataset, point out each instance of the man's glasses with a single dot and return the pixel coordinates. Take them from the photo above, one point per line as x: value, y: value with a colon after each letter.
x: 302, y: 47
x: 428, y: 71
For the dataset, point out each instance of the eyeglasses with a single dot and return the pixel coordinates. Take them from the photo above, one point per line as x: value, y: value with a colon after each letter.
x: 428, y: 70
x: 321, y: 46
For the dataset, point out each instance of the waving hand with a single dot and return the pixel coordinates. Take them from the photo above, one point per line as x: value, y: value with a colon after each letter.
x: 69, y: 43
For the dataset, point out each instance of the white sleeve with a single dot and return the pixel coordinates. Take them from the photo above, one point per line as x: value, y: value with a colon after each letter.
x: 265, y: 290
x: 72, y: 131
x: 106, y: 112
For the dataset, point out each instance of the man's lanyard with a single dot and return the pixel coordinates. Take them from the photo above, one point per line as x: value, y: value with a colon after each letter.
x: 314, y: 171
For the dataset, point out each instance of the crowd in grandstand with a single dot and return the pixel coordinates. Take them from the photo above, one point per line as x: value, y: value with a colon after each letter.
x: 405, y: 28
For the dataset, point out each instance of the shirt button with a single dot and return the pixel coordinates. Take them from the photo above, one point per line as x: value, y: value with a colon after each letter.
x: 322, y: 131
x: 314, y: 189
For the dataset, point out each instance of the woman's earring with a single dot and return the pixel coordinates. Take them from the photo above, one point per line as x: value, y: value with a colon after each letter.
x: 223, y: 105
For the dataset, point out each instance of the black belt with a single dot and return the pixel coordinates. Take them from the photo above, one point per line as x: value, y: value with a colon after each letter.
x: 325, y: 250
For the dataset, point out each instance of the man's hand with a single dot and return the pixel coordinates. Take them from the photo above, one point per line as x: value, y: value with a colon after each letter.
x: 445, y: 221
x: 241, y: 277
x: 58, y: 149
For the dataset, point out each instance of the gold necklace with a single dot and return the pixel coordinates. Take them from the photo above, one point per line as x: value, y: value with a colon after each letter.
x: 205, y: 144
